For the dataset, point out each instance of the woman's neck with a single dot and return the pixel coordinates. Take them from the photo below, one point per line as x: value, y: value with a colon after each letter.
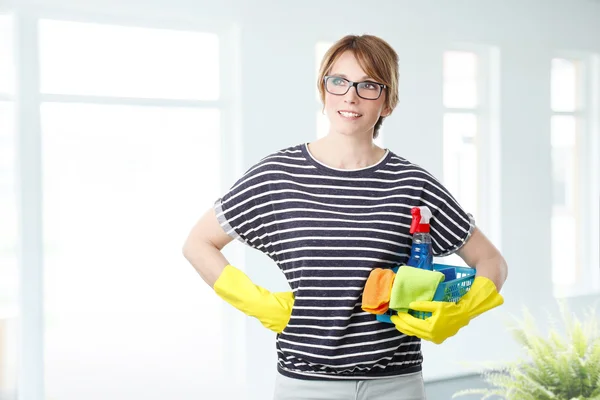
x: 346, y: 153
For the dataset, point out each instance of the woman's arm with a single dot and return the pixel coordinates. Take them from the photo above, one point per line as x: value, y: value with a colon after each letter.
x: 203, y: 247
x: 203, y: 250
x: 479, y: 253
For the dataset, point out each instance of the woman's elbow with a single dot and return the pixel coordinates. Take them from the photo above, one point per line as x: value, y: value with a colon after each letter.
x: 191, y: 247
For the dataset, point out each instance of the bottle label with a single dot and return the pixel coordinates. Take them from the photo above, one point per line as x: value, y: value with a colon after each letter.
x: 420, y: 256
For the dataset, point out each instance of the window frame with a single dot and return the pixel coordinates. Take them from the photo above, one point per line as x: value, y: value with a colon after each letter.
x: 487, y: 139
x: 28, y: 129
x: 587, y: 195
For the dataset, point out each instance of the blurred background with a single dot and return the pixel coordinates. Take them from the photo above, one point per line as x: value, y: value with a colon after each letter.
x: 122, y: 121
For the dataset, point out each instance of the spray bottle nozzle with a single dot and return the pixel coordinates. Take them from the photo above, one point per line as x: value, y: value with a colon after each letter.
x: 420, y: 219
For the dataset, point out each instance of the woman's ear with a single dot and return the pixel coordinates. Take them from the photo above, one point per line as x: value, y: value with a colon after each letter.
x: 386, y: 111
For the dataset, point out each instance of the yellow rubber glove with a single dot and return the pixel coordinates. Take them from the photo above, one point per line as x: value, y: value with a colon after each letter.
x: 448, y: 317
x: 273, y: 310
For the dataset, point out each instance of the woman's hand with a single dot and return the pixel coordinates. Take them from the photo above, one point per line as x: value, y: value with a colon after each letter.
x: 448, y: 318
x: 273, y: 310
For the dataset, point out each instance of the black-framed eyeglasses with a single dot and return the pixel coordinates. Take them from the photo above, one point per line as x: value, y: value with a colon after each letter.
x: 339, y: 86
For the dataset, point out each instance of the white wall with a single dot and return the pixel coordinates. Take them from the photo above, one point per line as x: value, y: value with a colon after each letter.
x: 277, y: 44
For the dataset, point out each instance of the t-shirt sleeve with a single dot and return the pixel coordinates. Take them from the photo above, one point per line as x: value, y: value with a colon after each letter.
x: 239, y: 210
x: 450, y: 224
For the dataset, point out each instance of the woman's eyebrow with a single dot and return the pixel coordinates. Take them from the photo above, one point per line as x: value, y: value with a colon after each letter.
x: 366, y: 77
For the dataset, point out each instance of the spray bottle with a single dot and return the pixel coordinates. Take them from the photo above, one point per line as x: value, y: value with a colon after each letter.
x: 421, y: 253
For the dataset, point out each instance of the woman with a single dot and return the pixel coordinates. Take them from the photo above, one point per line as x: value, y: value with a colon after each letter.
x: 328, y: 213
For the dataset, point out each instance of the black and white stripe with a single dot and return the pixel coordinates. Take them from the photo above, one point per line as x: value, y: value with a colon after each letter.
x: 327, y: 229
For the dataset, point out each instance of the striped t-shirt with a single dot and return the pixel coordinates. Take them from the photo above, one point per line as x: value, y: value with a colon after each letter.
x: 326, y: 229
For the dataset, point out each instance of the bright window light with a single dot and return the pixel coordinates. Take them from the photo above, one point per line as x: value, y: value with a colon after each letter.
x: 564, y: 138
x: 564, y: 85
x: 460, y: 79
x: 460, y: 158
x: 122, y: 187
x: 125, y: 176
x: 106, y: 60
x: 461, y: 129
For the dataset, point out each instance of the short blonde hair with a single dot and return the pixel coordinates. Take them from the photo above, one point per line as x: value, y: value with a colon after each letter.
x: 375, y: 56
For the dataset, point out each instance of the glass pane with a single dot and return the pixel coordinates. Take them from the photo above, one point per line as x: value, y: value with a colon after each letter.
x: 564, y: 156
x: 564, y: 85
x: 9, y: 278
x: 460, y: 79
x: 565, y: 254
x: 104, y: 60
x: 460, y: 159
x: 7, y: 76
x: 122, y: 187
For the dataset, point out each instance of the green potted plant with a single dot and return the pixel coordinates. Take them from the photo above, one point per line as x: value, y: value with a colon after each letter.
x: 557, y: 367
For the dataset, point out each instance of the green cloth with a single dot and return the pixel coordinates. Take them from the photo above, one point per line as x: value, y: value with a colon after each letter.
x: 413, y: 284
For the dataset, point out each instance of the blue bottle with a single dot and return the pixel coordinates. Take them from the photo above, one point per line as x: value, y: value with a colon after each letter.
x: 421, y: 253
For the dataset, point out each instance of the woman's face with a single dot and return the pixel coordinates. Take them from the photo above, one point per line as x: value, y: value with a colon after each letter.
x: 349, y: 114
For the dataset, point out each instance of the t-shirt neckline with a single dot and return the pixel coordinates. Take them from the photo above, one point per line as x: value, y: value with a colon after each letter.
x: 340, y: 171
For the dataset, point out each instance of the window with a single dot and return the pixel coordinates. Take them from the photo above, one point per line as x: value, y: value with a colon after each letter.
x: 9, y: 277
x: 470, y: 135
x: 462, y: 109
x: 120, y: 61
x: 322, y: 119
x: 130, y: 127
x: 574, y: 146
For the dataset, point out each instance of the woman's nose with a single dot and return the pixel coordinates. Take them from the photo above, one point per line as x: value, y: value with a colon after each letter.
x: 352, y: 95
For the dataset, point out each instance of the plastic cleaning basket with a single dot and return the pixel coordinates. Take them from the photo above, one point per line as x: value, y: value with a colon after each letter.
x: 456, y: 283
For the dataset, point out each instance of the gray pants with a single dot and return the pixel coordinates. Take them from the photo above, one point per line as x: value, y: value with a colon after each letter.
x: 404, y: 387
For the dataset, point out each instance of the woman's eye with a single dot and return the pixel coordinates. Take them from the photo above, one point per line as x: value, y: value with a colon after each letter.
x: 369, y: 86
x: 339, y: 81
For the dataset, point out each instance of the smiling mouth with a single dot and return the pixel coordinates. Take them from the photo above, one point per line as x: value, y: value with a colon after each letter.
x: 349, y: 114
